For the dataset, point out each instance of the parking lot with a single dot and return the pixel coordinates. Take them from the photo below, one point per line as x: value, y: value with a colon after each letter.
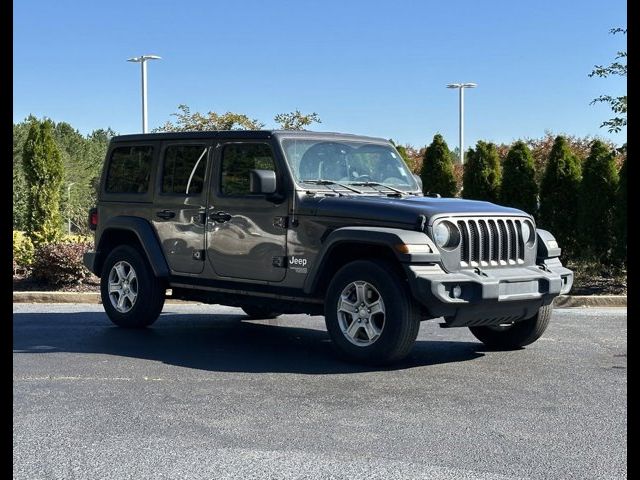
x: 205, y: 393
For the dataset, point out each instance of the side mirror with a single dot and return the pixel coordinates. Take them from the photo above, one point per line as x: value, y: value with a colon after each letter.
x: 262, y: 181
x: 419, y: 180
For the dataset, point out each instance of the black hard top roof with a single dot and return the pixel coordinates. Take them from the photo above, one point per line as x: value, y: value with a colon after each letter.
x: 241, y: 134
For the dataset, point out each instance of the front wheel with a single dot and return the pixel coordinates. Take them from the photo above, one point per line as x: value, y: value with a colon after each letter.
x: 370, y: 316
x: 519, y: 334
x: 132, y: 295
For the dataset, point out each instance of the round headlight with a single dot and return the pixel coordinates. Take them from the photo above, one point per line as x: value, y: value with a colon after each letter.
x: 446, y: 235
x: 526, y: 232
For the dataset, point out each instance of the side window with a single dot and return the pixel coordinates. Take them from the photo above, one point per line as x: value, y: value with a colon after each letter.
x: 183, y: 169
x: 129, y: 170
x: 237, y: 160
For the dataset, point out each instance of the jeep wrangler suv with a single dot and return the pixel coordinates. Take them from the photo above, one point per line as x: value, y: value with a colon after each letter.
x: 318, y: 223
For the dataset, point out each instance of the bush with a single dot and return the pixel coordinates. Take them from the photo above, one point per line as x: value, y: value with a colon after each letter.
x: 60, y: 263
x: 559, y: 197
x: 481, y: 177
x: 597, y: 202
x: 518, y: 188
x: 437, y: 169
x: 76, y: 239
x: 23, y: 251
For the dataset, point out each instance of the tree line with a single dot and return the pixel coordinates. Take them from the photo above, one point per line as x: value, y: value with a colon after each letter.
x: 574, y: 187
x: 578, y: 194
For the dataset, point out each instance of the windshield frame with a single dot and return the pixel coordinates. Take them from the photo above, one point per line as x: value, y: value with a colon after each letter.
x: 281, y: 137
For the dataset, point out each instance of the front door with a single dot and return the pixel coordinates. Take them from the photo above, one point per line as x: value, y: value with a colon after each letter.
x: 245, y: 235
x: 179, y: 204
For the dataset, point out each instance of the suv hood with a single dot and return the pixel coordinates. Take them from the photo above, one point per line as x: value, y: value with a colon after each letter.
x: 398, y: 210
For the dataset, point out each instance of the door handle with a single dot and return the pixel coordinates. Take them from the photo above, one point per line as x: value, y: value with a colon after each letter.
x: 220, y: 217
x: 165, y: 214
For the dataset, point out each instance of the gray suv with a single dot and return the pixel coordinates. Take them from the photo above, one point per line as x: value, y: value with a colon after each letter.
x: 319, y: 223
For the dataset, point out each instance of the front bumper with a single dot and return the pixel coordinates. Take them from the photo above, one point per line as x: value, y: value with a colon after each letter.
x: 488, y: 297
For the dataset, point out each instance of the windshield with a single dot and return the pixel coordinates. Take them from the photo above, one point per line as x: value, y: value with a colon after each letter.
x: 347, y: 162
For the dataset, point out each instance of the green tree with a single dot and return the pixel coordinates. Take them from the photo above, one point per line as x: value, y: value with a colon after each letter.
x: 621, y: 216
x: 194, y: 122
x: 596, y: 203
x: 20, y: 132
x: 296, y: 120
x: 44, y: 171
x: 518, y: 188
x: 481, y: 176
x: 559, y: 192
x: 618, y: 104
x: 437, y: 169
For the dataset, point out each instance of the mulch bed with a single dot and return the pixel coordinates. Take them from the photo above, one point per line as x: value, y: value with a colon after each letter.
x: 25, y: 283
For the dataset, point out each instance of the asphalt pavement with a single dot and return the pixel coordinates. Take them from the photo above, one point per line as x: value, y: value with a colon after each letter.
x: 206, y: 394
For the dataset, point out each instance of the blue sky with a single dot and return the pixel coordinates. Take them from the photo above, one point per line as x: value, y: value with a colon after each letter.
x: 367, y: 67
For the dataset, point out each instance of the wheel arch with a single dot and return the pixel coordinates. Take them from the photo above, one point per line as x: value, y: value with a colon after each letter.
x: 134, y: 231
x: 360, y: 243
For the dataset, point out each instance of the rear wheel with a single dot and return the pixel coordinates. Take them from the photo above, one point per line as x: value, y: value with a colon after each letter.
x: 132, y: 295
x: 370, y: 315
x: 255, y: 312
x: 519, y: 334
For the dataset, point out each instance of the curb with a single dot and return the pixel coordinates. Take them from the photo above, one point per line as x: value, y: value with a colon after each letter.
x: 67, y: 297
x: 586, y: 301
x: 563, y: 301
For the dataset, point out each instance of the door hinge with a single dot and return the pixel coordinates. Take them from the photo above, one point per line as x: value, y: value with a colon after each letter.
x: 282, y: 222
x: 280, y: 262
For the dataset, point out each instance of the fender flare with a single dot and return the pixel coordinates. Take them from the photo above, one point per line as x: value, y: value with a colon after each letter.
x: 147, y: 237
x: 544, y: 250
x: 378, y: 236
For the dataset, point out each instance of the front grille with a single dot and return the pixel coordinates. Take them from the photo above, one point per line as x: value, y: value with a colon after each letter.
x: 491, y: 241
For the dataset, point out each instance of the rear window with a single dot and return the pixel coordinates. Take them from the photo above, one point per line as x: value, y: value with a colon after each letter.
x: 129, y: 170
x: 183, y: 170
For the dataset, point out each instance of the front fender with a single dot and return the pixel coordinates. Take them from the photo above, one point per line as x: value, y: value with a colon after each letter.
x: 379, y: 236
x: 546, y: 248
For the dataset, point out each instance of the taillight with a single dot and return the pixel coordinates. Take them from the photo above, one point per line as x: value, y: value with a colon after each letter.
x: 93, y: 219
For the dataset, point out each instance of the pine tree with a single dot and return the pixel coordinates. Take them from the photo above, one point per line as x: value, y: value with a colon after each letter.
x: 43, y: 170
x: 596, y: 203
x: 518, y: 188
x: 437, y: 169
x: 621, y: 216
x: 481, y: 177
x: 559, y: 192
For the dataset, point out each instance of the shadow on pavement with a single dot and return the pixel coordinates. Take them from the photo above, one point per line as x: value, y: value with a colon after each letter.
x: 212, y: 342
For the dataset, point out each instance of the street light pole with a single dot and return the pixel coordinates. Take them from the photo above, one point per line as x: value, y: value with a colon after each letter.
x: 142, y: 60
x: 461, y: 87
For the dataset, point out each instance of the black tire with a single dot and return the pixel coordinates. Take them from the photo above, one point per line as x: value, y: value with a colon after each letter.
x: 254, y: 312
x: 517, y: 335
x: 150, y: 291
x: 401, y: 317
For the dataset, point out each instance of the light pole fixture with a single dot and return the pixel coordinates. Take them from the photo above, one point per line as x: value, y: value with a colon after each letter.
x: 461, y: 87
x: 142, y: 60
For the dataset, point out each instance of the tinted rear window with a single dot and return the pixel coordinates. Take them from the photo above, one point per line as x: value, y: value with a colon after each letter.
x: 129, y: 170
x: 184, y: 168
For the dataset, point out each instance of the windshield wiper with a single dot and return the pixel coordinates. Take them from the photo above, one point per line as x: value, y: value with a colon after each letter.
x: 376, y: 184
x: 331, y: 182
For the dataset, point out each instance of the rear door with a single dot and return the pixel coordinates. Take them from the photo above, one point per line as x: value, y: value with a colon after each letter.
x: 179, y: 203
x: 246, y: 237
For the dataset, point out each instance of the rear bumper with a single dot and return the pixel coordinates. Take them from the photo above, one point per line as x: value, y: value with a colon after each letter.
x: 488, y: 297
x: 89, y: 260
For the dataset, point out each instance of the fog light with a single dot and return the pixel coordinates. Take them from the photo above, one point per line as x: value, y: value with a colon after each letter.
x: 456, y: 291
